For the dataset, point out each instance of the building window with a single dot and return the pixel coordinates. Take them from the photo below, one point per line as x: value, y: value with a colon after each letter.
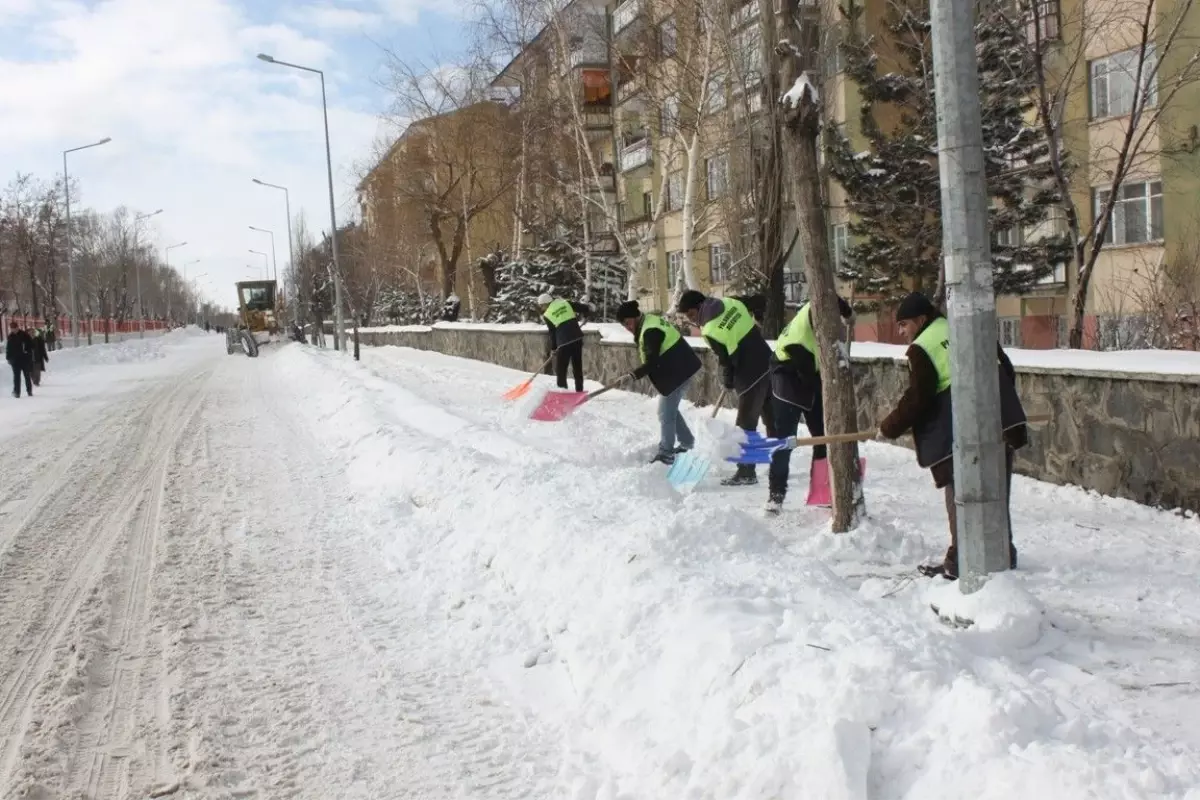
x: 675, y: 191
x: 1056, y: 277
x: 674, y: 267
x: 1041, y: 20
x: 719, y: 262
x: 668, y: 37
x: 793, y: 286
x: 714, y: 99
x: 669, y: 123
x: 1114, y: 79
x: 717, y: 179
x: 747, y: 52
x: 1010, y: 331
x: 841, y: 245
x: 647, y: 204
x: 1137, y: 214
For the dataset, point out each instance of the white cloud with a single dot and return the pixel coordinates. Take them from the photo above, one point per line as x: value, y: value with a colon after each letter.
x: 334, y: 19
x: 193, y: 117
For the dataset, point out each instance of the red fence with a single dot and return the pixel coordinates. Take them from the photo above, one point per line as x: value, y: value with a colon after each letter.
x: 96, y: 327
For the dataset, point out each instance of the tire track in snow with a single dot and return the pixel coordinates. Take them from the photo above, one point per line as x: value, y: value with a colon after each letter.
x: 77, y: 529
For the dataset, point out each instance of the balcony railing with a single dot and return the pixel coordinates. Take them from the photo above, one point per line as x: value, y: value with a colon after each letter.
x: 585, y: 57
x: 635, y: 155
x: 603, y: 242
x: 625, y: 14
x: 628, y: 88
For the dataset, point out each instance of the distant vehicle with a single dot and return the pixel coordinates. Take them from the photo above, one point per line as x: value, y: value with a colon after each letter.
x: 258, y: 322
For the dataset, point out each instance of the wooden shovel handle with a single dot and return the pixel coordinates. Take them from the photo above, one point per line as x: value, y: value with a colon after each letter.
x: 717, y: 405
x: 836, y: 438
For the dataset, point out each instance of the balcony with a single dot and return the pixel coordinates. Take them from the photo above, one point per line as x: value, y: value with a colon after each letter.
x: 635, y: 155
x: 625, y: 14
x: 585, y: 57
x: 603, y: 243
x: 629, y: 88
x: 597, y: 119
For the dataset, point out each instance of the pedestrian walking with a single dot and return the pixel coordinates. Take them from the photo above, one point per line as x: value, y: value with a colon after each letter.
x: 729, y: 326
x: 41, y: 357
x: 670, y: 364
x: 796, y: 395
x: 926, y: 410
x: 18, y: 351
x: 566, y: 337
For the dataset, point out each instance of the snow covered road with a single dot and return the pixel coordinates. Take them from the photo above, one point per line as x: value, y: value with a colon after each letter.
x: 305, y: 577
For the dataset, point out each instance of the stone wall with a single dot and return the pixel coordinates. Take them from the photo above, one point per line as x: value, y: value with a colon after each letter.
x: 1131, y: 436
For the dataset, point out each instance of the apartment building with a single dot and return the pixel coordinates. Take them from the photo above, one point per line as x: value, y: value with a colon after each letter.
x: 622, y: 64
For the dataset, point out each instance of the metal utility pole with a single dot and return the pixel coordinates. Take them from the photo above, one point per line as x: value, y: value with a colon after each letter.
x: 137, y: 266
x: 970, y: 298
x: 339, y: 322
x: 274, y: 262
x: 266, y: 270
x: 167, y: 260
x: 70, y: 248
x: 287, y: 204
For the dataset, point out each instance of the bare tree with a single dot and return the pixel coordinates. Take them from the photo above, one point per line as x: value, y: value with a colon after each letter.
x: 802, y: 121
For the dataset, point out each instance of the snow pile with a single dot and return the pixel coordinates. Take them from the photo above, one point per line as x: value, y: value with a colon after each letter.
x: 1002, y: 616
x: 675, y: 644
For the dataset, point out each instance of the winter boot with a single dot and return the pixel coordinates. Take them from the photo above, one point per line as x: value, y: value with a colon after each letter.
x: 774, y: 504
x: 663, y: 458
x: 745, y: 476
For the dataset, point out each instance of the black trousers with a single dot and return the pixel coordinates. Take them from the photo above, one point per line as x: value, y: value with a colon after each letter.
x: 18, y: 371
x: 754, y: 404
x: 569, y: 354
x: 787, y: 422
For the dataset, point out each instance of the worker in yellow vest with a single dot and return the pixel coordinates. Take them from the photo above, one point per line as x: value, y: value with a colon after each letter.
x: 670, y: 364
x: 796, y: 395
x: 562, y: 318
x: 729, y: 326
x: 926, y: 410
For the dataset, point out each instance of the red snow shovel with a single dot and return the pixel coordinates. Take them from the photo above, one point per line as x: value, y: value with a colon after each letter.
x: 522, y: 389
x: 557, y: 406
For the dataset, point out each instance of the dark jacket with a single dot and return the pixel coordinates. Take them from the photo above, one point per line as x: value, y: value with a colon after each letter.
x: 929, y: 414
x: 18, y: 350
x: 751, y: 362
x: 667, y: 371
x: 40, y: 354
x: 797, y: 380
x: 569, y: 331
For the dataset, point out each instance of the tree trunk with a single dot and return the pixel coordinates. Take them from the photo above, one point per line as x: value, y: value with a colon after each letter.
x: 769, y: 188
x: 802, y: 122
x: 688, y: 216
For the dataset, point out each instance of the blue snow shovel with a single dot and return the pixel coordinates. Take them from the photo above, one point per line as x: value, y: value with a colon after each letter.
x: 689, y: 469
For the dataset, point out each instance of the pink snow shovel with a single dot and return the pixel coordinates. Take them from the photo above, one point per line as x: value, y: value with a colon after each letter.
x: 557, y: 406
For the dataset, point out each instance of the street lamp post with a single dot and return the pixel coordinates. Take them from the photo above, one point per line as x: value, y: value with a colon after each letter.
x: 274, y: 263
x: 287, y: 203
x: 266, y: 263
x: 337, y: 267
x: 137, y: 266
x: 70, y: 261
x: 167, y: 260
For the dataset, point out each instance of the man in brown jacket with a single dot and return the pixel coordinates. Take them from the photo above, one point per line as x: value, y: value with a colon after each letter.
x: 926, y: 410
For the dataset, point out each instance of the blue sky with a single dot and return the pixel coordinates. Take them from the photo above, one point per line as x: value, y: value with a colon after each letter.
x: 194, y: 115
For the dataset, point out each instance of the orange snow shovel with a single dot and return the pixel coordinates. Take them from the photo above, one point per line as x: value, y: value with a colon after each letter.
x: 522, y: 389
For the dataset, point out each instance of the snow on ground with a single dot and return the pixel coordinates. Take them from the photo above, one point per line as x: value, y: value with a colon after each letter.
x: 301, y: 576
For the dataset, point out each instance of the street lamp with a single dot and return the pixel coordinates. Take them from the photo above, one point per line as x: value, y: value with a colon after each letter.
x: 266, y: 264
x: 193, y: 300
x: 337, y: 267
x: 287, y: 202
x: 70, y: 262
x: 137, y: 266
x: 167, y: 260
x: 273, y: 261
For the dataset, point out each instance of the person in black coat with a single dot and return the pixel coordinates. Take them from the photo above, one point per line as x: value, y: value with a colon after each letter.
x: 730, y: 325
x: 18, y: 351
x: 670, y: 364
x: 563, y: 319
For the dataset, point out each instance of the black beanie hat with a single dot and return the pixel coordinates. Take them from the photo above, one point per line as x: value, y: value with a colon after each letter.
x: 628, y: 310
x: 915, y: 305
x: 689, y: 300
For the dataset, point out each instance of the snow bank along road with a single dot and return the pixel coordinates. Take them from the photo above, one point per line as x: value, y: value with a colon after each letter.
x: 305, y: 577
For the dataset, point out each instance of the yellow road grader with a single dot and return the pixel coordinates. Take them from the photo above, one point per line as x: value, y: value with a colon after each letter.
x: 258, y: 318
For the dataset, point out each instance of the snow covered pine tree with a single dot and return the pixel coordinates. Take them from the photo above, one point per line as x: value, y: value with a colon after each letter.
x: 892, y: 187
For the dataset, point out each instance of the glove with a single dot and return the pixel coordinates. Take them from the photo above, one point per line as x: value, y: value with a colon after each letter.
x: 728, y: 383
